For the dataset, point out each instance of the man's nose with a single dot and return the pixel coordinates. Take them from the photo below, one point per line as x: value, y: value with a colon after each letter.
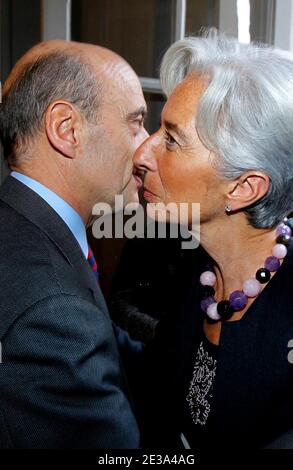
x: 144, y: 158
x: 145, y: 135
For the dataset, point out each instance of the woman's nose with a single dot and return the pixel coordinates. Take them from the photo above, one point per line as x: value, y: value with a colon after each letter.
x: 144, y: 158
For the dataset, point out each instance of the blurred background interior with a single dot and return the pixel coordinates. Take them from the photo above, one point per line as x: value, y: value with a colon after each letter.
x: 140, y: 31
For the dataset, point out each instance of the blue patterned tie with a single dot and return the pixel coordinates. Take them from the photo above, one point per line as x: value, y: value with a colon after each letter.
x: 125, y: 343
x: 93, y: 264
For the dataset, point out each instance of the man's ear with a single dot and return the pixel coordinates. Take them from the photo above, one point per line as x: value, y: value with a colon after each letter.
x: 62, y: 124
x: 247, y: 189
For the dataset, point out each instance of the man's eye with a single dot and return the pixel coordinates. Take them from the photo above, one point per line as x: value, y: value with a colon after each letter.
x: 138, y: 122
x: 169, y: 139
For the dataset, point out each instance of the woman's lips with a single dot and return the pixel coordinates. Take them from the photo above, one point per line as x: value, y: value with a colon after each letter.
x: 149, y: 196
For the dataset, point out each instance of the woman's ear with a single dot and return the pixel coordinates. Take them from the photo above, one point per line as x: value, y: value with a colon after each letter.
x: 62, y: 124
x: 247, y: 189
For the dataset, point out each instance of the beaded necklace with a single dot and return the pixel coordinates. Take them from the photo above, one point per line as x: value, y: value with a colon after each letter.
x: 225, y: 309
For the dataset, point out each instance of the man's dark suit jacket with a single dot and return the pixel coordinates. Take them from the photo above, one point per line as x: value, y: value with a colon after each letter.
x: 61, y: 381
x: 252, y: 404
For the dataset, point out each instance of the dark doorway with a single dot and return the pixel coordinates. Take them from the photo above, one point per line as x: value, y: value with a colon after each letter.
x: 20, y: 29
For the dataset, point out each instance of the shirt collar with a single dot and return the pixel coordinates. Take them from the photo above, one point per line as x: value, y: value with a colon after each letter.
x: 69, y: 215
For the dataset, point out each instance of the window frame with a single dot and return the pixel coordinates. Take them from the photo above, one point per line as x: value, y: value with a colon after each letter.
x: 56, y: 23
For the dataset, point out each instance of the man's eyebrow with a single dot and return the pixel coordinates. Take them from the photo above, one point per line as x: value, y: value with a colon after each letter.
x: 175, y: 128
x: 135, y: 114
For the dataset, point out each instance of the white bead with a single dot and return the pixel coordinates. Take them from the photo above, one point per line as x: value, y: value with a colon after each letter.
x: 279, y: 251
x: 251, y: 287
x: 208, y: 278
x: 212, y: 312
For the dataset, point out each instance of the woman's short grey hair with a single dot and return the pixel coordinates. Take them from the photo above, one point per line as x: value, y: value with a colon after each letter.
x: 57, y: 75
x: 245, y: 116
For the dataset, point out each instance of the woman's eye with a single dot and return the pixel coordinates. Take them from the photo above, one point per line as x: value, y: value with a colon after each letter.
x: 169, y: 139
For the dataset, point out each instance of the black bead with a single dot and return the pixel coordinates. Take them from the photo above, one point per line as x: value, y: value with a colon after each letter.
x: 225, y: 310
x: 206, y: 291
x: 210, y: 321
x: 263, y: 275
x: 210, y: 267
x: 290, y: 221
x: 284, y: 239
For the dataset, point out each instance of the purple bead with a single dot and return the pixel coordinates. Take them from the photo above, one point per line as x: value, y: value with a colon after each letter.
x: 238, y: 300
x: 272, y: 264
x: 205, y: 303
x: 284, y: 229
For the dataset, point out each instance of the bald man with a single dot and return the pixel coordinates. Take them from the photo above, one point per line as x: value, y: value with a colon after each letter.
x: 71, y: 117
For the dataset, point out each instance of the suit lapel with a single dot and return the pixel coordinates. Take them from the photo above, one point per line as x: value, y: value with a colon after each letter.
x: 30, y: 205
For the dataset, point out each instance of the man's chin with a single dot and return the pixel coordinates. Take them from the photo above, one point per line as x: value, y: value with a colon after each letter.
x: 130, y: 197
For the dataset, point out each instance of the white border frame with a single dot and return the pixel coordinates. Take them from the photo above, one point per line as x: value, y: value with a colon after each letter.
x: 284, y: 24
x: 56, y: 19
x: 228, y: 21
x: 180, y: 19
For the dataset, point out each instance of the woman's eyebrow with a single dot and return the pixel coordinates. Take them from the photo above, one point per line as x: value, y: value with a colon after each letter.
x: 175, y: 128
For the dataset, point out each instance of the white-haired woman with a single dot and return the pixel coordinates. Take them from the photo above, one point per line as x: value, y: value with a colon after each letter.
x: 221, y: 373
